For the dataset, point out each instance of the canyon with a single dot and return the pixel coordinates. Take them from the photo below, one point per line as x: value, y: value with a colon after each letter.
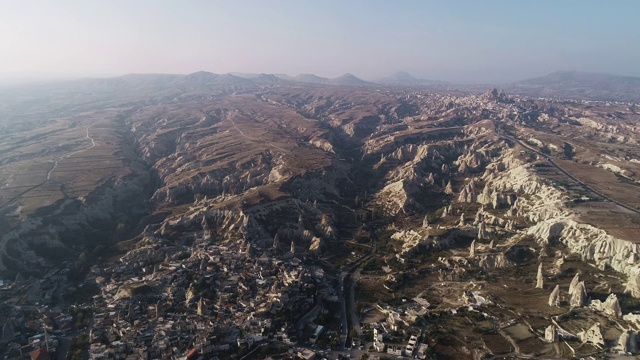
x: 481, y: 209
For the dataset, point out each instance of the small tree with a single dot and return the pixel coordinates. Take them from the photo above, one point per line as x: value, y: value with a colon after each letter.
x: 120, y: 229
x: 568, y: 151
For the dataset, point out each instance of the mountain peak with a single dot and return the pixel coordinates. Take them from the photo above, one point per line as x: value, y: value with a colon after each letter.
x: 348, y: 79
x: 231, y: 79
x: 201, y: 77
x: 404, y: 78
x: 311, y: 78
x: 402, y: 75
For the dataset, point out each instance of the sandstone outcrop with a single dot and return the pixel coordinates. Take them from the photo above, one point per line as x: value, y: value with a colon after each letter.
x: 494, y: 261
x: 551, y: 334
x: 540, y: 278
x: 610, y: 307
x: 628, y: 342
x: 593, y: 335
x: 578, y: 295
x: 482, y: 231
x: 554, y: 298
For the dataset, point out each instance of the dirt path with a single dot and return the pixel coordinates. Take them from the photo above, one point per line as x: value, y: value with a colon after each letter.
x: 55, y: 165
x: 254, y: 139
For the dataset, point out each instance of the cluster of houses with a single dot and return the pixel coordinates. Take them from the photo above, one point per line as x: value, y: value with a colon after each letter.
x: 30, y: 325
x: 397, y: 318
x: 204, y: 300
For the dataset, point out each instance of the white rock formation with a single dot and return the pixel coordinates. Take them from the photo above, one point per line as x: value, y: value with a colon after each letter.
x: 322, y: 144
x: 628, y: 342
x: 479, y: 216
x: 396, y: 197
x: 541, y: 201
x: 632, y: 318
x: 462, y: 197
x: 326, y: 228
x: 554, y: 298
x: 579, y: 295
x: 191, y: 293
x: 574, y: 282
x: 539, y: 278
x: 482, y: 231
x: 276, y: 242
x: 409, y: 238
x: 472, y: 248
x: 593, y: 336
x: 610, y: 307
x: 593, y: 245
x: 316, y: 244
x: 551, y: 334
x: 633, y: 285
x: 445, y: 212
x: 471, y: 160
x: 494, y: 261
x: 448, y: 189
x: 200, y: 306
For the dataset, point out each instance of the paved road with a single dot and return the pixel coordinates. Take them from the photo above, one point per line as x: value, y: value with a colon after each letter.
x: 254, y: 350
x: 566, y: 173
x: 346, y: 272
x: 343, y: 311
x: 355, y: 319
x: 63, y: 347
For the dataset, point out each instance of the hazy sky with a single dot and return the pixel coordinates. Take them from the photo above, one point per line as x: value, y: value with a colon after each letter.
x: 454, y: 40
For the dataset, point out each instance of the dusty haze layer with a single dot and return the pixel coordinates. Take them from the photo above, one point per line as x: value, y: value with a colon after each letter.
x: 264, y: 207
x: 462, y: 42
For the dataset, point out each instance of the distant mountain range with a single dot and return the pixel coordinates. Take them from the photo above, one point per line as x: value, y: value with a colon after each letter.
x: 310, y: 78
x: 399, y: 78
x: 560, y: 84
x: 404, y: 78
x: 579, y: 85
x: 346, y: 79
x: 247, y: 78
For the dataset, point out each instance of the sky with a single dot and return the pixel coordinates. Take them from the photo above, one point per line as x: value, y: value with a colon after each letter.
x: 479, y: 41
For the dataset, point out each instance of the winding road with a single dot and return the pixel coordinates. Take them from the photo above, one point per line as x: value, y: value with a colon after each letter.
x: 54, y: 166
x: 55, y: 163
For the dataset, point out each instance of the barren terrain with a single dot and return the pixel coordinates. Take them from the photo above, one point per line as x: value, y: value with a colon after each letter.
x: 406, y: 196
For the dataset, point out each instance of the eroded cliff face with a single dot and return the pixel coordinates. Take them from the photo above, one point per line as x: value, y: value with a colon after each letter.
x: 71, y: 226
x: 553, y: 222
x: 300, y: 170
x: 475, y: 168
x: 72, y: 197
x: 464, y: 205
